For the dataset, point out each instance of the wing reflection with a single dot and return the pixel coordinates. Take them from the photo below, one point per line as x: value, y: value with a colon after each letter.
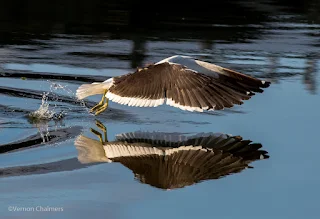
x: 171, y: 160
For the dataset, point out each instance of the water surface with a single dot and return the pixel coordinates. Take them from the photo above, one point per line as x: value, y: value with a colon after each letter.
x: 281, y: 46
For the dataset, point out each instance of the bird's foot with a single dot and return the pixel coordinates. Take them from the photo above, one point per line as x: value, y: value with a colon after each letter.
x: 100, y: 104
x: 102, y: 108
x: 101, y: 126
x: 103, y: 129
x: 96, y: 106
x: 98, y: 134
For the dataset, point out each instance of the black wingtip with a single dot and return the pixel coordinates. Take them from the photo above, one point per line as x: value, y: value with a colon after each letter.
x: 265, y: 84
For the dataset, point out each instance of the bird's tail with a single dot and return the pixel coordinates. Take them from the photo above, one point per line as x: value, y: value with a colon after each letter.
x: 90, y: 150
x: 86, y: 90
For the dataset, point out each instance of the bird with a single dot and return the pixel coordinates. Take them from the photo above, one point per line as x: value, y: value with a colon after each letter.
x: 179, y: 81
x: 171, y: 160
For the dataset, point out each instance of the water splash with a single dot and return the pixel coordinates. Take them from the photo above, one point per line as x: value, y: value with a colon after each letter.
x: 42, y: 116
x: 55, y: 86
x: 47, y: 112
x: 43, y: 113
x: 43, y: 129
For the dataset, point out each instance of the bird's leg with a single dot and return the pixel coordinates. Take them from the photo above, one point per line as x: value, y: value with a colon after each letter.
x: 103, y: 107
x: 103, y: 129
x: 97, y: 134
x: 100, y: 103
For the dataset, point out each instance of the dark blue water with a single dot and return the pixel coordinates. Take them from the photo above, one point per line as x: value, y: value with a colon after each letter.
x: 39, y: 165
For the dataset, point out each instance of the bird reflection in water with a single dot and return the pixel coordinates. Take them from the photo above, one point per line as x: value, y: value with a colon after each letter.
x: 171, y: 160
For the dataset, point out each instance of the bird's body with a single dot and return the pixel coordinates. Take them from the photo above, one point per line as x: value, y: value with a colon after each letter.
x: 178, y: 81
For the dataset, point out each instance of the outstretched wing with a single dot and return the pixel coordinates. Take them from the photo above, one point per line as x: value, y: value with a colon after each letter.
x: 182, y: 167
x: 235, y: 145
x: 180, y: 87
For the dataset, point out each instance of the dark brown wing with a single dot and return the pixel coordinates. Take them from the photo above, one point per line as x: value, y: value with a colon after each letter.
x: 230, y: 144
x: 246, y: 81
x: 180, y: 87
x: 182, y: 168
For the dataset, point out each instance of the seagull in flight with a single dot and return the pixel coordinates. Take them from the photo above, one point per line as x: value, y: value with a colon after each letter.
x: 179, y: 81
